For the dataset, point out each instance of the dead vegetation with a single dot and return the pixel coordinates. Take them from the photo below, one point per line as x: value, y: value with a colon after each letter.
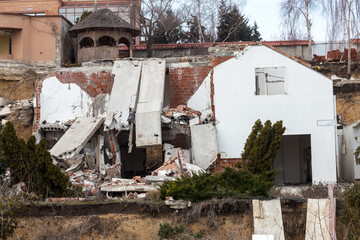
x: 212, y: 208
x: 91, y: 225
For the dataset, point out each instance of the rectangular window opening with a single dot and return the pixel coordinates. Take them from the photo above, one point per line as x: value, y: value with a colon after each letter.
x: 270, y: 81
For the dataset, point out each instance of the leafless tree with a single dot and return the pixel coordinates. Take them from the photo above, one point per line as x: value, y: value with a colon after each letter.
x: 149, y: 14
x: 346, y: 20
x: 291, y: 13
x: 207, y: 15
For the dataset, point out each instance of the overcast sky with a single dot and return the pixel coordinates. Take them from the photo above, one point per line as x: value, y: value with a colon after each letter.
x: 266, y: 13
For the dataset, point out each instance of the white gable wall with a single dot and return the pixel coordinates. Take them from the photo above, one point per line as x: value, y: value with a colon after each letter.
x: 308, y: 98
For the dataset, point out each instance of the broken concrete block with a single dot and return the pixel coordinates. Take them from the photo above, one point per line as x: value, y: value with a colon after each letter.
x: 177, y: 204
x: 5, y: 111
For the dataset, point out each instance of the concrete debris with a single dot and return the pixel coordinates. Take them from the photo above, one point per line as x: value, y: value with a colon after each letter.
x: 89, y: 180
x: 176, y: 165
x: 74, y: 139
x: 177, y: 204
x: 90, y: 147
x: 181, y: 113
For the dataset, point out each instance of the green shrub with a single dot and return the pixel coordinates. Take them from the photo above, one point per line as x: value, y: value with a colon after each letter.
x: 31, y: 163
x: 236, y: 183
x: 166, y: 231
x: 351, y: 211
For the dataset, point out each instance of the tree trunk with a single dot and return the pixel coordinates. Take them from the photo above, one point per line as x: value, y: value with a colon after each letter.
x: 308, y: 27
x: 201, y: 38
x: 149, y: 52
x: 213, y: 39
x: 348, y: 30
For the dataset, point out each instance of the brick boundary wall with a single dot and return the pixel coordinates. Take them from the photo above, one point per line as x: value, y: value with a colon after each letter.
x: 93, y: 84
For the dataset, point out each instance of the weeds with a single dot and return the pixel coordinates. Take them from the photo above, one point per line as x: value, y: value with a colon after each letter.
x: 351, y: 211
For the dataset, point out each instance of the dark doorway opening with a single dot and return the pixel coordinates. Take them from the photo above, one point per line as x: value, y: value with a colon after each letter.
x: 294, y: 160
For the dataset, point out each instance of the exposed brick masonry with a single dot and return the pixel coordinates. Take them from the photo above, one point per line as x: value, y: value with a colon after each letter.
x: 93, y: 84
x: 184, y: 81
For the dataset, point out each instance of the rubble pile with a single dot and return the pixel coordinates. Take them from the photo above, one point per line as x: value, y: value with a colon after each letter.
x: 184, y: 115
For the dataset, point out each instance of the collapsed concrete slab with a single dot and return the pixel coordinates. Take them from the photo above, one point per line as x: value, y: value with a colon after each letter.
x: 150, y: 103
x: 123, y: 94
x: 75, y: 138
x: 205, y: 145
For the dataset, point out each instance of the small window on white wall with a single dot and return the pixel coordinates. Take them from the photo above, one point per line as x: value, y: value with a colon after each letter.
x: 270, y: 80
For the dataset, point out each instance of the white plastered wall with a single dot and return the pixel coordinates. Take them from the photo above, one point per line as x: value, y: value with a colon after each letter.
x: 60, y: 102
x: 308, y: 99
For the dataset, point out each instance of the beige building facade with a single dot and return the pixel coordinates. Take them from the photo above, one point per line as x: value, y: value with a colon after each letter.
x: 35, y: 38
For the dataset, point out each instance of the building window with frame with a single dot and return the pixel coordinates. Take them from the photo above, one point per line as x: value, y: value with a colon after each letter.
x: 270, y: 80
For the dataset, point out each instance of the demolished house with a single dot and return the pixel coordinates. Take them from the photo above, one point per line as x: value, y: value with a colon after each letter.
x: 125, y: 126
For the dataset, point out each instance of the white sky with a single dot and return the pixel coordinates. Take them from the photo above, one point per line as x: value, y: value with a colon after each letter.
x: 266, y: 13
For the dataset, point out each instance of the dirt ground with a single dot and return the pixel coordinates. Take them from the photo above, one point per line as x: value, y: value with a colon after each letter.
x: 19, y: 90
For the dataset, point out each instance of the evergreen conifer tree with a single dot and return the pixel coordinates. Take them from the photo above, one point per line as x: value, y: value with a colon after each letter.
x: 31, y: 163
x: 255, y: 34
x: 262, y: 146
x: 233, y: 26
x: 168, y: 29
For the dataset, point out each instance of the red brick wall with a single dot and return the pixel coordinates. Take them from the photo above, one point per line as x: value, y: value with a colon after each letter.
x: 94, y: 84
x: 184, y: 81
